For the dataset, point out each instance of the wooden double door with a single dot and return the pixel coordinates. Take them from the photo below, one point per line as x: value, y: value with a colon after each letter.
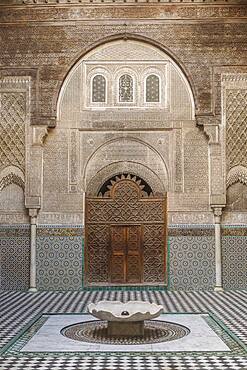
x: 126, y: 260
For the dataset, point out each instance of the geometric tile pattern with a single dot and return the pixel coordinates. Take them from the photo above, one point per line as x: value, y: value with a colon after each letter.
x: 234, y: 259
x: 59, y: 260
x: 14, y: 257
x: 18, y: 308
x: 191, y: 263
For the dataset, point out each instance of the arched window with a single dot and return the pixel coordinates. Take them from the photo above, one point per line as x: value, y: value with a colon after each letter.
x: 126, y: 88
x: 99, y: 89
x: 152, y: 89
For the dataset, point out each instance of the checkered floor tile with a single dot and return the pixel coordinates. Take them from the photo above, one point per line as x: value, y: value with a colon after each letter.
x: 18, y: 308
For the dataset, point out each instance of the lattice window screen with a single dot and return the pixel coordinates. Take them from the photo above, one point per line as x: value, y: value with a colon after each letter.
x: 126, y: 88
x: 99, y: 89
x: 152, y: 89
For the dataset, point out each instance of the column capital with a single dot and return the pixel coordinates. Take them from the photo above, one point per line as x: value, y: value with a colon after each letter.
x: 217, y: 211
x: 33, y: 212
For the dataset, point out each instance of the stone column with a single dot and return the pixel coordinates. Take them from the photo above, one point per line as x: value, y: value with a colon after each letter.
x: 33, y: 222
x: 218, y: 257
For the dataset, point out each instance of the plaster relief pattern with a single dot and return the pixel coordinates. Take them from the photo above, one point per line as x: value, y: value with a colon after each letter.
x: 9, y: 179
x: 234, y: 92
x: 55, y: 171
x: 195, y: 162
x: 236, y: 197
x: 216, y: 175
x: 116, y: 168
x: 12, y: 121
x: 73, y: 160
x: 236, y: 119
x: 178, y: 162
x: 130, y: 150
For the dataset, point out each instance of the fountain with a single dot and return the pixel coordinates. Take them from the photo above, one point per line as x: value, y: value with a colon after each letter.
x: 128, y: 323
x: 125, y: 319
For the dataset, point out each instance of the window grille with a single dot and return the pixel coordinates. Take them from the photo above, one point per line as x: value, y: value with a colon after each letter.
x: 99, y: 89
x: 126, y: 88
x: 152, y: 89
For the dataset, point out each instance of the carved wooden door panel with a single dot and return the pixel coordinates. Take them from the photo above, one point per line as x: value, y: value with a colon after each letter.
x: 126, y: 256
x: 118, y: 252
x: 133, y: 255
x: 125, y: 235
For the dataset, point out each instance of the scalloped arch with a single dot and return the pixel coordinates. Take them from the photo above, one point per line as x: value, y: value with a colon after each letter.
x: 11, y: 175
x: 237, y: 174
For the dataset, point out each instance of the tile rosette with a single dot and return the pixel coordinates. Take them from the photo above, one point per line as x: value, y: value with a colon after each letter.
x: 154, y: 332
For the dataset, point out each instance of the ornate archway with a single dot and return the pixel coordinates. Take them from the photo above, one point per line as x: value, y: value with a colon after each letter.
x: 125, y: 234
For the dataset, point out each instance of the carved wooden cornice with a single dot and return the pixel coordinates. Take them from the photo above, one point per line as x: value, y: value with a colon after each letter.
x: 63, y: 2
x: 39, y: 135
x: 210, y: 126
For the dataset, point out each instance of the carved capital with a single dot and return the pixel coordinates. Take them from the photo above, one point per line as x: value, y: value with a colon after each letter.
x: 33, y: 212
x: 39, y: 135
x: 237, y: 174
x: 217, y: 211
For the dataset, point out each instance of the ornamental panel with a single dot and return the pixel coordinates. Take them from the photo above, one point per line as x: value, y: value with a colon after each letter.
x: 126, y: 88
x: 236, y: 133
x: 125, y: 236
x: 99, y: 89
x: 152, y: 89
x: 97, y: 254
x: 12, y: 124
x: 154, y: 253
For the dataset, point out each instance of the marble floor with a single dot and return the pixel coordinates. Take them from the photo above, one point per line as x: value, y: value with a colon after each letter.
x: 20, y: 312
x: 201, y: 337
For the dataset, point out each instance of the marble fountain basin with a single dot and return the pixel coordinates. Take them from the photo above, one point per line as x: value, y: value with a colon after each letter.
x: 125, y: 319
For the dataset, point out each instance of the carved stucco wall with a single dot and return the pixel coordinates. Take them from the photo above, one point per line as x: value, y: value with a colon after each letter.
x: 111, y: 60
x: 15, y: 240
x: 62, y: 201
x: 129, y: 149
x: 234, y: 92
x: 13, y: 112
x: 159, y: 141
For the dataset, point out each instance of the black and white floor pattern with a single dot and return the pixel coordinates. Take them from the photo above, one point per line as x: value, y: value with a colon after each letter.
x: 18, y: 308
